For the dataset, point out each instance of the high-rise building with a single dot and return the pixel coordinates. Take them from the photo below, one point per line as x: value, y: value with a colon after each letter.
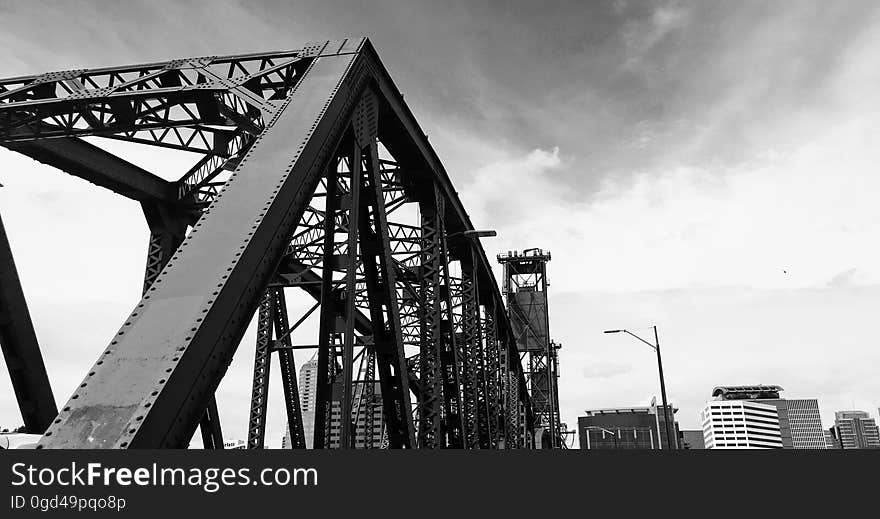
x: 740, y: 424
x: 800, y: 424
x: 805, y: 423
x: 363, y: 410
x: 308, y: 378
x: 626, y: 428
x: 856, y: 430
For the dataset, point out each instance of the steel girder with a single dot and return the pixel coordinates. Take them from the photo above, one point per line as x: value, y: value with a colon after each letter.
x: 326, y: 102
x: 153, y: 382
x: 21, y: 351
x: 431, y: 347
x: 272, y: 317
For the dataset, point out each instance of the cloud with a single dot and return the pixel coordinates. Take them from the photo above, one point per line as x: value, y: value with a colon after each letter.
x: 604, y: 369
x: 505, y: 191
x: 809, y: 210
x: 642, y: 35
x: 844, y: 278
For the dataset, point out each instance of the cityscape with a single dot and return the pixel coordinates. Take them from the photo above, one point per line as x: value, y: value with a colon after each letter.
x: 736, y: 417
x: 318, y: 239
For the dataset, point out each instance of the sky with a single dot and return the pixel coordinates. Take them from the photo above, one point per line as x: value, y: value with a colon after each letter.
x: 705, y: 167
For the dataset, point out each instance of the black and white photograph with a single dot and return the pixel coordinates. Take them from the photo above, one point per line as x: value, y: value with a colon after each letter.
x: 584, y: 226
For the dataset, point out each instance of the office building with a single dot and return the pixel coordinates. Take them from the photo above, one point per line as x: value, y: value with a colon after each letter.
x: 740, y: 424
x: 855, y: 430
x: 830, y: 440
x: 360, y: 409
x: 626, y: 428
x: 693, y: 440
x: 800, y: 424
x: 308, y: 376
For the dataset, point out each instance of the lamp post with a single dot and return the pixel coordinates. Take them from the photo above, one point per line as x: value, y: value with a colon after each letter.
x: 670, y: 437
x: 474, y: 233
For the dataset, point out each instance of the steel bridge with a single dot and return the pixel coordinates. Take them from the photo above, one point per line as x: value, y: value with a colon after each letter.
x: 313, y: 175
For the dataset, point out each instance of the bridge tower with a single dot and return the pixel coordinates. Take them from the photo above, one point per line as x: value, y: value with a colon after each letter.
x: 524, y: 286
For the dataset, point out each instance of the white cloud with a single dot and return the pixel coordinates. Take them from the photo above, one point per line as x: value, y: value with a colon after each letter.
x: 810, y: 211
x: 600, y: 369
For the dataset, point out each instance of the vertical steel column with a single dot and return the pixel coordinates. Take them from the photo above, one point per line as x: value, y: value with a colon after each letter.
x: 262, y: 363
x: 327, y: 326
x: 288, y: 373
x: 21, y: 350
x: 469, y: 346
x: 384, y: 312
x: 483, y: 416
x: 430, y: 325
x: 167, y: 231
x: 513, y: 424
x: 493, y: 378
x: 370, y: 397
x: 353, y: 201
x: 553, y: 407
x: 449, y: 353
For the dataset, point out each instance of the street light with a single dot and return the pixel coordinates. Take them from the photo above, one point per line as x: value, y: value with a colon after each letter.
x: 474, y: 233
x: 604, y: 430
x: 670, y: 438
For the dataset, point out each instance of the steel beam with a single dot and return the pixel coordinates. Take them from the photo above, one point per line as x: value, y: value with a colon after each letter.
x: 91, y: 163
x: 354, y: 203
x: 212, y: 436
x: 152, y: 384
x: 382, y: 294
x: 288, y: 374
x: 431, y: 333
x: 21, y: 351
x: 262, y: 365
x: 327, y: 332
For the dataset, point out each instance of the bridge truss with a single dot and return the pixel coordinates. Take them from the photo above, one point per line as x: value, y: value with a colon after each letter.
x: 313, y: 178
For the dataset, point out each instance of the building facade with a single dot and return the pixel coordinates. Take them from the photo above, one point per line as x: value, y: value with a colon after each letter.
x: 740, y: 424
x: 800, y: 425
x: 362, y: 411
x: 308, y: 378
x: 855, y: 430
x: 626, y: 428
x: 830, y: 440
x: 693, y: 440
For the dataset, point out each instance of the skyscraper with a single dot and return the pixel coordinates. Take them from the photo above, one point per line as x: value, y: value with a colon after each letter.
x: 740, y: 424
x: 362, y: 412
x: 308, y: 377
x: 856, y: 430
x: 367, y: 413
x: 800, y: 425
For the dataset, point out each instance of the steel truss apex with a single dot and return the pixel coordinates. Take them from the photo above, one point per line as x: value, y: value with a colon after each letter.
x: 270, y: 126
